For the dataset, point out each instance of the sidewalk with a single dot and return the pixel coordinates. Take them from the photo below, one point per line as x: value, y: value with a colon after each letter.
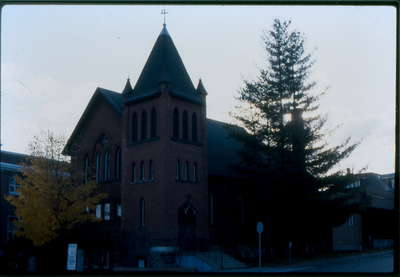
x: 362, y: 262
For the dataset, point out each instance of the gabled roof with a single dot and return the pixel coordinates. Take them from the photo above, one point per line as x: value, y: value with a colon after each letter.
x: 12, y: 157
x: 164, y: 65
x: 114, y: 99
x: 223, y: 149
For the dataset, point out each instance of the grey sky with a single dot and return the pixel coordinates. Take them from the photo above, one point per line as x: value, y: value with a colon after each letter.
x: 54, y: 57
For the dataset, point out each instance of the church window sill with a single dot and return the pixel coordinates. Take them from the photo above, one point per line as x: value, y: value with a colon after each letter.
x: 186, y: 181
x: 185, y: 141
x: 146, y: 181
x: 133, y: 143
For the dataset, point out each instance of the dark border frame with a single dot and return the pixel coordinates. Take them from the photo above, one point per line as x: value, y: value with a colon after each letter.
x: 394, y: 3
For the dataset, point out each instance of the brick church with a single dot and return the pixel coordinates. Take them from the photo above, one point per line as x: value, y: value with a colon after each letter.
x: 166, y: 167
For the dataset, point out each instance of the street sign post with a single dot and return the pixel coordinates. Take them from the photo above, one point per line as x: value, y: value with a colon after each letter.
x: 260, y: 229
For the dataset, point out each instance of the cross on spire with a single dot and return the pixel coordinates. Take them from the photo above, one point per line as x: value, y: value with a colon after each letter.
x: 164, y: 12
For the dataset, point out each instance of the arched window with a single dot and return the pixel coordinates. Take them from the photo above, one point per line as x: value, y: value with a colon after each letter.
x: 153, y: 129
x: 195, y: 172
x: 194, y: 127
x: 142, y: 170
x: 151, y: 173
x: 185, y: 171
x: 86, y: 165
x: 141, y: 212
x: 178, y: 170
x: 133, y: 173
x: 176, y: 123
x: 98, y: 175
x: 185, y: 127
x: 106, y: 168
x: 144, y: 125
x: 134, y: 127
x: 117, y: 167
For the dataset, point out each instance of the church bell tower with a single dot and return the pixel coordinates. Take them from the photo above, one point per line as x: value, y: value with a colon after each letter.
x: 164, y: 154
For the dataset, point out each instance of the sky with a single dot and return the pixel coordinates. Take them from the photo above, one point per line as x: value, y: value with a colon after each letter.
x: 53, y: 57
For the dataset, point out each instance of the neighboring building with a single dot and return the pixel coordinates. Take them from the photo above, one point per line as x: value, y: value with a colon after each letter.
x: 374, y: 227
x: 9, y: 169
x: 165, y: 166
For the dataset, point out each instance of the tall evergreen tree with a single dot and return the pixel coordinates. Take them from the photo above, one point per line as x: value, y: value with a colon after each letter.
x: 282, y: 116
x: 284, y: 143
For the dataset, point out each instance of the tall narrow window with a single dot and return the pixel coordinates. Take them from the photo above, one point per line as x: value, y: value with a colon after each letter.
x: 187, y: 171
x: 106, y: 167
x: 13, y: 186
x: 86, y: 165
x: 117, y: 164
x: 141, y: 212
x: 195, y: 172
x: 153, y: 130
x: 142, y: 170
x: 119, y: 210
x: 185, y: 127
x: 194, y: 127
x: 178, y: 170
x: 107, y: 211
x: 143, y: 129
x: 134, y: 127
x: 98, y: 179
x: 98, y: 211
x: 176, y: 123
x: 184, y: 171
x: 151, y: 173
x: 133, y: 173
x: 11, y: 226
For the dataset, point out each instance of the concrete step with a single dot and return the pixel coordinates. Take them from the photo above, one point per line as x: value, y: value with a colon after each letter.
x: 220, y: 260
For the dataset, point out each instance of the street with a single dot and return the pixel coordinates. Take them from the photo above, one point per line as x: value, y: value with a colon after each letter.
x: 366, y: 262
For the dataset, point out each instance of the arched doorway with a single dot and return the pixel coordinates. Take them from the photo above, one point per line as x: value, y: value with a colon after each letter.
x: 187, y: 225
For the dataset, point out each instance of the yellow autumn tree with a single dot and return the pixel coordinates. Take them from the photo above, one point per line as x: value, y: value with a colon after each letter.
x: 52, y: 196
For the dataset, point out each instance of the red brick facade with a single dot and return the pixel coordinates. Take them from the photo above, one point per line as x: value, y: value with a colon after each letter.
x: 164, y: 194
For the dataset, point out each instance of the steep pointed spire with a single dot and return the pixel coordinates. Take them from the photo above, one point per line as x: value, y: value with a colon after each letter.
x: 200, y: 88
x: 165, y: 66
x: 164, y: 31
x: 128, y: 87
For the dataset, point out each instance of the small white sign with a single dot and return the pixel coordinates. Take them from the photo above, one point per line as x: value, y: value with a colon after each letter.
x: 72, y: 252
x: 260, y: 227
x: 141, y: 263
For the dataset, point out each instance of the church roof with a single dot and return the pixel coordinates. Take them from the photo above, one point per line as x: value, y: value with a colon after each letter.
x: 223, y: 149
x: 164, y: 65
x: 114, y: 99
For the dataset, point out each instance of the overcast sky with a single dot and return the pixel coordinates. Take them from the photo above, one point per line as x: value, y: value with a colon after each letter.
x: 54, y: 57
